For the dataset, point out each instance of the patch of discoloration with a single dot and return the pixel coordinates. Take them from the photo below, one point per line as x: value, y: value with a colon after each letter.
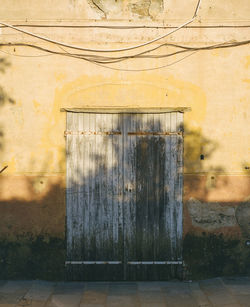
x: 31, y: 257
x: 223, y: 188
x: 210, y: 216
x: 31, y: 204
x: 209, y: 255
x: 131, y: 8
x: 247, y: 61
x: 243, y: 217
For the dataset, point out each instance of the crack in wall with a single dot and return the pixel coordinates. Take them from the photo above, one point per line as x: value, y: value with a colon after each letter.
x: 99, y: 8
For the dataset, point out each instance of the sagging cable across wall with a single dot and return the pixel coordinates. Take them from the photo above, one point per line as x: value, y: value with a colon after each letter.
x: 105, y: 50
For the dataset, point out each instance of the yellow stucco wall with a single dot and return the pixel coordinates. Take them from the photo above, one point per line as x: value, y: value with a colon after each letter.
x: 215, y: 84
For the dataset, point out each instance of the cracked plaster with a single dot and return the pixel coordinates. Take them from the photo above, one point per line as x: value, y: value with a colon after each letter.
x: 210, y: 216
x: 129, y: 8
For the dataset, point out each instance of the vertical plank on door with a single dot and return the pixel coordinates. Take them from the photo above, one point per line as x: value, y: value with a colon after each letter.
x: 69, y: 183
x: 93, y: 169
x: 72, y: 188
x: 166, y: 206
x: 179, y: 186
x: 117, y: 192
x: 142, y: 170
x: 86, y: 179
x: 129, y: 197
x: 78, y: 221
x: 158, y: 204
x: 173, y: 185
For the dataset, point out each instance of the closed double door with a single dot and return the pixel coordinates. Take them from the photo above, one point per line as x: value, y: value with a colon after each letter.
x: 124, y: 196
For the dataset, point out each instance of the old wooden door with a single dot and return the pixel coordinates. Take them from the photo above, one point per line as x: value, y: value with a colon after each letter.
x: 124, y: 196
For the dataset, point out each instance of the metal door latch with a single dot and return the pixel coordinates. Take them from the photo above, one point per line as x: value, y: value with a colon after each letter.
x: 129, y: 187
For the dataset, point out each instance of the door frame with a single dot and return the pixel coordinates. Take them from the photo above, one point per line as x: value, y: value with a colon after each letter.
x: 124, y: 111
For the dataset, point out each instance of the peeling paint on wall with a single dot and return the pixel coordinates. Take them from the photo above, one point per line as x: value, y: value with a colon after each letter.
x: 210, y: 216
x: 139, y: 8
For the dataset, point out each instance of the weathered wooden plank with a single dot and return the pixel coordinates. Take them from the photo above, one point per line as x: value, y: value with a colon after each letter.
x: 102, y: 249
x: 117, y: 194
x: 167, y: 187
x: 77, y: 182
x: 69, y: 187
x: 92, y: 189
x: 179, y: 186
x: 86, y: 164
x: 162, y: 175
x: 159, y: 188
x: 150, y: 200
x: 161, y: 249
x: 73, y: 187
x: 111, y: 110
x: 129, y: 204
x: 164, y: 210
x: 78, y: 220
x: 115, y: 184
x: 103, y: 227
x: 100, y: 196
x: 141, y: 171
x: 173, y: 180
x: 109, y: 187
x: 88, y: 182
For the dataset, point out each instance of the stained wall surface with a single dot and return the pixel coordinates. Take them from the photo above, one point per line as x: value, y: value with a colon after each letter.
x: 35, y: 85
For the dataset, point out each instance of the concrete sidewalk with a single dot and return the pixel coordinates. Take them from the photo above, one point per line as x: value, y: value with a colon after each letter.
x: 230, y: 292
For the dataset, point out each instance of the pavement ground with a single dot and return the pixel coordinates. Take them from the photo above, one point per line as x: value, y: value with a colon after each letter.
x: 230, y: 292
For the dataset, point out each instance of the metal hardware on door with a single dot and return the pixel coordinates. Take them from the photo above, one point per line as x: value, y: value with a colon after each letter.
x: 129, y: 187
x: 154, y: 262
x: 92, y: 262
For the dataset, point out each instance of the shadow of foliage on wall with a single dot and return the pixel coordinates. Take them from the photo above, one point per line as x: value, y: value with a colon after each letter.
x: 212, y: 255
x: 207, y: 252
x: 32, y: 244
x: 4, y: 97
x: 30, y: 248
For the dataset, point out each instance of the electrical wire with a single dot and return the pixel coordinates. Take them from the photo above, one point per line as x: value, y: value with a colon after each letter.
x: 145, y: 54
x: 124, y: 27
x: 147, y: 69
x: 97, y: 50
x: 197, y: 8
x: 140, y: 70
x: 102, y: 61
x: 106, y: 50
x: 25, y: 56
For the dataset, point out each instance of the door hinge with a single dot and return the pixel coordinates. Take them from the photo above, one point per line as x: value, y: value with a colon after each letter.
x: 69, y: 132
x: 154, y: 262
x: 92, y: 262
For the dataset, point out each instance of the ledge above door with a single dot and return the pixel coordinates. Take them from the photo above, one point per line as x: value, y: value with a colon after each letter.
x: 113, y: 110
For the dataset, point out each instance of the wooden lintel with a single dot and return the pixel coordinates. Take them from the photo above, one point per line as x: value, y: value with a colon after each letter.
x: 127, y: 110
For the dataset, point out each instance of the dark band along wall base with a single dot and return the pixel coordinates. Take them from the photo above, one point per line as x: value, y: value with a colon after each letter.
x: 124, y: 196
